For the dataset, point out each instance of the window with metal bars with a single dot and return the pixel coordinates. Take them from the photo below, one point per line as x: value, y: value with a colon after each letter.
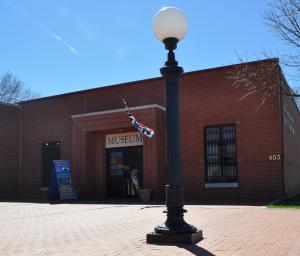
x: 220, y: 154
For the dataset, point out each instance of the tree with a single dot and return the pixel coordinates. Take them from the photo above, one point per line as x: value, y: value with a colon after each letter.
x: 261, y: 79
x: 13, y: 90
x: 283, y: 16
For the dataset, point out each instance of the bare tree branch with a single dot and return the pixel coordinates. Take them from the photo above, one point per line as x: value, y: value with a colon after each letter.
x: 283, y: 16
x: 259, y: 79
x: 13, y: 90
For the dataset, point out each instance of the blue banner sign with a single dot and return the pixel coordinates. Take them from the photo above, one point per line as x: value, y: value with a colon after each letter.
x: 61, y: 187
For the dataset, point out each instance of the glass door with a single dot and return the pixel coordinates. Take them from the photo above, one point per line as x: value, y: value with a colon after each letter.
x: 114, y: 172
x: 120, y: 163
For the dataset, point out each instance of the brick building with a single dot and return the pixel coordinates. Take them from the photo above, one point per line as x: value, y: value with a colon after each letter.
x: 230, y: 148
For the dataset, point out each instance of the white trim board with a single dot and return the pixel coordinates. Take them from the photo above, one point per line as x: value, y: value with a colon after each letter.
x: 221, y: 185
x: 118, y: 110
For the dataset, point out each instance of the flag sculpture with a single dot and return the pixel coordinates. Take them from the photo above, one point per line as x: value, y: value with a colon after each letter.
x: 142, y: 128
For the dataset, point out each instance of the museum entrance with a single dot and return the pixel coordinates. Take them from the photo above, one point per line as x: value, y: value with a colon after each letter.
x: 124, y: 171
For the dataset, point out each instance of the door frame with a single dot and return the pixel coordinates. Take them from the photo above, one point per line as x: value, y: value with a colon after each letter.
x: 106, y: 166
x: 44, y: 147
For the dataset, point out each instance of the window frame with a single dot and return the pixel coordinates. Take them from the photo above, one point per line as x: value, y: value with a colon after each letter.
x: 210, y: 184
x: 46, y: 176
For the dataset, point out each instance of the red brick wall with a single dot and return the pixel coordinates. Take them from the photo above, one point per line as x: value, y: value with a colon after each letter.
x: 99, y: 183
x: 291, y: 142
x: 49, y: 119
x: 45, y: 121
x: 9, y: 150
x: 206, y: 98
x: 89, y: 136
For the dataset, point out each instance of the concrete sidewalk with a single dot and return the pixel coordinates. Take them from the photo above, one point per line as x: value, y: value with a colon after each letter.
x: 108, y: 229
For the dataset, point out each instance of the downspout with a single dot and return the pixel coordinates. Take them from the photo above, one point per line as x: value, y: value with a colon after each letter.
x: 281, y: 128
x: 20, y: 153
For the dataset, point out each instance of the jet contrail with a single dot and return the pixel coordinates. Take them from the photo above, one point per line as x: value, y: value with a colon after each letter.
x: 70, y: 47
x: 42, y: 27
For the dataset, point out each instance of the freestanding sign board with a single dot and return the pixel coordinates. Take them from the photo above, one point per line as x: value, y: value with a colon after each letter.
x: 61, y: 186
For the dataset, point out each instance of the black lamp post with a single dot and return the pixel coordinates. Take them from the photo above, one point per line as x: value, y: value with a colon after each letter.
x: 170, y: 26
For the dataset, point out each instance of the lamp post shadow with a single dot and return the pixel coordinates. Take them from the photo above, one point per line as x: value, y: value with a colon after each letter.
x: 196, y: 250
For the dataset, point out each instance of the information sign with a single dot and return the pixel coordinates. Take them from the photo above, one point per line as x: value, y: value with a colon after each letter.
x: 61, y: 187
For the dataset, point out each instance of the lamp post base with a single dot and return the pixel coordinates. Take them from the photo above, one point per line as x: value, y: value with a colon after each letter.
x: 175, y: 230
x: 184, y: 238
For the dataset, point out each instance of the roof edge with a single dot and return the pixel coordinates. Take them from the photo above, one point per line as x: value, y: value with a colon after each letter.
x: 111, y: 111
x: 148, y: 79
x: 9, y: 104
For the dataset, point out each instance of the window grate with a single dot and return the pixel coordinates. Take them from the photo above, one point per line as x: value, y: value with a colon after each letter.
x: 220, y: 154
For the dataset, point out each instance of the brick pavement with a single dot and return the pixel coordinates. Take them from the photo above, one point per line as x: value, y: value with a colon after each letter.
x: 107, y: 229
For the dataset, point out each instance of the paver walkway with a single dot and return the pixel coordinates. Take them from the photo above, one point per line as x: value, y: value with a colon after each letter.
x: 103, y: 229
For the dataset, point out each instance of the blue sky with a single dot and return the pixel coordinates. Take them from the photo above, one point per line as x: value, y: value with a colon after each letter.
x: 58, y: 46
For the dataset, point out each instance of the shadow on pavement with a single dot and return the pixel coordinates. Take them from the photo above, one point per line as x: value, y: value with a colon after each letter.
x: 196, y: 250
x: 192, y: 248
